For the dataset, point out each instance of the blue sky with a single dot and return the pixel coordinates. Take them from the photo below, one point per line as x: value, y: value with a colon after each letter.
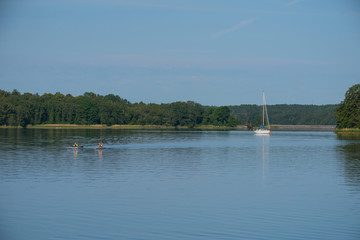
x: 214, y: 52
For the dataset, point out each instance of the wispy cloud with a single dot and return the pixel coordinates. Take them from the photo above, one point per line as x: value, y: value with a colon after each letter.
x: 235, y: 27
x: 292, y: 3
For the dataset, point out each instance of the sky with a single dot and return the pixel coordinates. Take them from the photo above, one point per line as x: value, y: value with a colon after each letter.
x: 214, y: 52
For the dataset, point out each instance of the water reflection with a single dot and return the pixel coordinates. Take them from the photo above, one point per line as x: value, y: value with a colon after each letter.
x: 75, y: 153
x: 178, y: 185
x: 265, y: 154
x: 349, y: 151
x: 100, y: 155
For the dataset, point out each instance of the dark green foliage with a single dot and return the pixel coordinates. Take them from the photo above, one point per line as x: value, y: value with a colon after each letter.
x: 18, y: 109
x: 302, y: 114
x: 348, y: 112
x: 219, y: 116
x: 286, y: 114
x: 184, y: 114
x: 247, y: 114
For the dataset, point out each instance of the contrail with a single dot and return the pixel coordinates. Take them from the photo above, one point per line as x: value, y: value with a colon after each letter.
x: 236, y: 27
x: 292, y: 3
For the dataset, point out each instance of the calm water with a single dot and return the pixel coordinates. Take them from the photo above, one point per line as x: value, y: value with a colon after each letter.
x: 178, y: 185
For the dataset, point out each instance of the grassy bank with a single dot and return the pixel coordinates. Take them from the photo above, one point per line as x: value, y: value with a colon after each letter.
x: 348, y: 131
x: 278, y: 127
x: 96, y: 126
x: 124, y: 127
x: 200, y: 127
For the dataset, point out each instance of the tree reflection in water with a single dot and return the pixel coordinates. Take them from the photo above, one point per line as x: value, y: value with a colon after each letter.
x: 350, y: 156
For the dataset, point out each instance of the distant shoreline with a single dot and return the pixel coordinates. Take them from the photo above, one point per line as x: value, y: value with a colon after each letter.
x: 279, y: 127
x: 348, y: 131
x: 276, y: 127
x: 122, y: 127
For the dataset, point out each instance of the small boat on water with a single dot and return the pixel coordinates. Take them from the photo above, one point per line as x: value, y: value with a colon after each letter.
x: 75, y: 148
x: 100, y: 146
x: 264, y: 130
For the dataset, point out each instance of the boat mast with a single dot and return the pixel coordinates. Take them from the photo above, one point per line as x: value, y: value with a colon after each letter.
x: 267, y: 116
x: 263, y: 110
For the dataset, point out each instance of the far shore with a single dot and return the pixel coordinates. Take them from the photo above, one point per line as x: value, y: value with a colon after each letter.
x: 348, y: 131
x: 275, y: 127
x: 279, y: 127
x: 124, y: 127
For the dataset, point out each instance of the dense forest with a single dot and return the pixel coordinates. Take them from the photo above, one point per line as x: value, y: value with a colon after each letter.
x: 251, y: 115
x: 348, y: 111
x: 18, y: 109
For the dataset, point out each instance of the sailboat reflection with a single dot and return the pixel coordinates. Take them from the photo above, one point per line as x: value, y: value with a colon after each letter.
x: 265, y: 155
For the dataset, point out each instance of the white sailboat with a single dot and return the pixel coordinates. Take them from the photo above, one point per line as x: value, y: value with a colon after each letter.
x: 262, y: 130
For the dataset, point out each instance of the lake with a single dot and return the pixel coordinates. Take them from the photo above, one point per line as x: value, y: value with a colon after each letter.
x: 178, y: 185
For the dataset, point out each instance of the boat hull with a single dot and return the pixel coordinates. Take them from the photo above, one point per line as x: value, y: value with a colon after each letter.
x: 262, y: 132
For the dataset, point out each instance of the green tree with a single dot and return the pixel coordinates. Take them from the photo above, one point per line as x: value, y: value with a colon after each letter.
x: 195, y: 113
x: 348, y: 112
x: 178, y: 114
x: 222, y: 115
x: 6, y: 111
x: 209, y: 116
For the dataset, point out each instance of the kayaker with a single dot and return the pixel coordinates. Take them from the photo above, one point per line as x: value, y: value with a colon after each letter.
x: 100, y: 145
x: 75, y: 145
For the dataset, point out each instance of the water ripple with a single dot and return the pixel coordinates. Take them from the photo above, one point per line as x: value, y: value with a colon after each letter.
x: 179, y: 185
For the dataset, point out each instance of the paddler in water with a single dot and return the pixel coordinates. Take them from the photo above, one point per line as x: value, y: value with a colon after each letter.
x: 75, y: 145
x: 100, y: 145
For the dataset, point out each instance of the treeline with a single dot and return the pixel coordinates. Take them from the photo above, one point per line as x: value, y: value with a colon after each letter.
x: 348, y: 111
x: 294, y: 114
x: 18, y: 109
